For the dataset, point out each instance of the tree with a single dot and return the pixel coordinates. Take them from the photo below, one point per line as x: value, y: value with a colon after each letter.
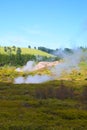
x: 18, y: 51
x: 48, y: 50
x: 68, y: 50
x: 57, y: 49
x: 29, y: 46
x: 14, y: 48
x: 19, y: 57
x: 34, y: 47
x: 5, y: 49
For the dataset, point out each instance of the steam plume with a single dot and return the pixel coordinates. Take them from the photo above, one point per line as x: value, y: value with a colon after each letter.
x: 69, y: 62
x: 33, y: 79
x: 28, y: 67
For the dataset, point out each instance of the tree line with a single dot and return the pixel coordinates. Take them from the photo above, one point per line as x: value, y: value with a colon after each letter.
x: 65, y: 50
x: 17, y: 58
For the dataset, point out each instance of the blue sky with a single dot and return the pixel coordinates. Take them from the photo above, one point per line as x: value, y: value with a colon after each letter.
x: 49, y: 23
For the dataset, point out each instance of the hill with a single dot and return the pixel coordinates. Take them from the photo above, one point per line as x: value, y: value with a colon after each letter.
x: 24, y: 51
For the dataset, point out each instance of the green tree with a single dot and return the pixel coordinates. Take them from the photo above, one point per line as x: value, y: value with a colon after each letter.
x: 34, y: 47
x: 14, y: 48
x: 18, y: 55
x: 68, y: 50
x: 5, y: 49
x: 18, y: 51
x: 29, y: 46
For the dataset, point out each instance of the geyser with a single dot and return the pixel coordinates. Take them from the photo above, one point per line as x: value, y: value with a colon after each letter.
x: 67, y: 64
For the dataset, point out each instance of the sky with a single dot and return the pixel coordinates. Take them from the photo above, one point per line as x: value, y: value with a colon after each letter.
x: 49, y: 23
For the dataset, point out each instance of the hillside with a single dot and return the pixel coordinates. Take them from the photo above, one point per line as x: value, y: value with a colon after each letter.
x: 26, y: 51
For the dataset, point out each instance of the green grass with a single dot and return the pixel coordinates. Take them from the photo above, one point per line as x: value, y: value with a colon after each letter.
x: 21, y: 110
x: 36, y: 106
x: 34, y: 51
x: 27, y: 51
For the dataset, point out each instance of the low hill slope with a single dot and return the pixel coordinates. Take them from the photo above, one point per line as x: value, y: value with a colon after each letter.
x: 25, y: 51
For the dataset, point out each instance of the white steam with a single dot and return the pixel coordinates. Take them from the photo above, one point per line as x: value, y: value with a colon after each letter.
x: 19, y: 80
x: 33, y: 79
x: 28, y: 67
x: 70, y: 61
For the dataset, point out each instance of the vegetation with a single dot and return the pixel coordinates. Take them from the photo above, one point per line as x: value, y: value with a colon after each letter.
x: 55, y: 51
x: 8, y: 73
x: 19, y: 56
x: 55, y: 105
x: 29, y: 50
x: 39, y: 106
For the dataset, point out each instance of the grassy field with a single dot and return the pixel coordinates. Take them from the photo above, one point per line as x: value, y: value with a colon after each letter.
x: 27, y: 51
x: 38, y: 107
x: 55, y: 105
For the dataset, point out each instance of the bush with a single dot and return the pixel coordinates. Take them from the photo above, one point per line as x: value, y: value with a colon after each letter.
x: 84, y: 95
x: 64, y: 92
x: 61, y: 92
x: 40, y: 93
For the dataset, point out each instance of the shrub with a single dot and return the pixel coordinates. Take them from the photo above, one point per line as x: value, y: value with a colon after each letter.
x: 84, y: 95
x: 44, y: 93
x: 64, y: 92
x: 40, y: 93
